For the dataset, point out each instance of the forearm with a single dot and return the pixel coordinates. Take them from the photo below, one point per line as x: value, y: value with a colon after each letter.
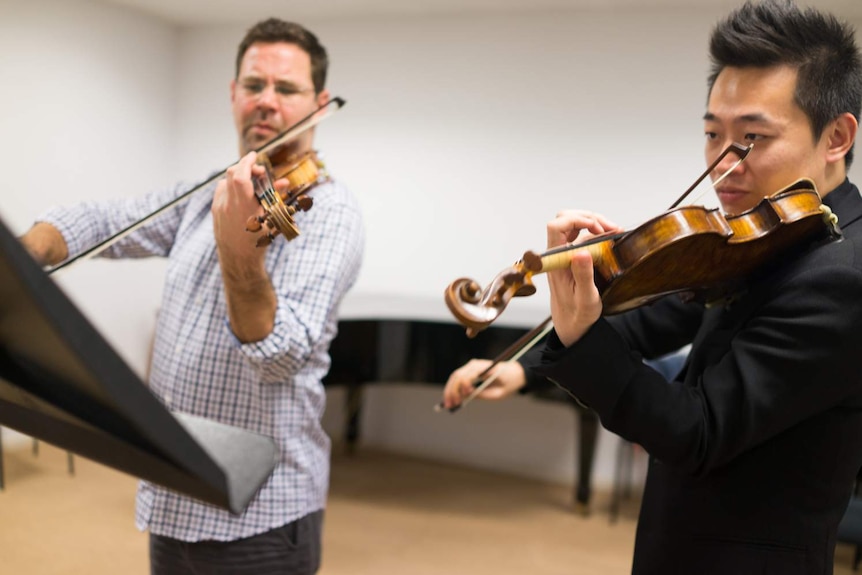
x: 533, y: 382
x: 309, y: 277
x: 45, y: 243
x: 86, y: 224
x: 251, y: 301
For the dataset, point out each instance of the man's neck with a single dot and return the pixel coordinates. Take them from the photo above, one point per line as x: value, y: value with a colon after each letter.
x: 834, y: 178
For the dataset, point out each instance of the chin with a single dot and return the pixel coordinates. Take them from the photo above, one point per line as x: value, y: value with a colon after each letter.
x: 254, y: 142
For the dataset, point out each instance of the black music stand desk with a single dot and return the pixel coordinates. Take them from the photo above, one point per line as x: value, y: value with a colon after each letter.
x: 61, y: 382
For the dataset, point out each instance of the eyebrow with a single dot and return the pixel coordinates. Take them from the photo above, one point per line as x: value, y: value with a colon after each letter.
x: 746, y: 118
x: 277, y: 81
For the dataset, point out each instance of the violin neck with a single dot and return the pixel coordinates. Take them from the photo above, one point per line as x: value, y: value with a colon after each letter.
x: 560, y: 260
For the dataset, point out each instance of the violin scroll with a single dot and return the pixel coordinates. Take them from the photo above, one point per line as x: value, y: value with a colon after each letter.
x: 476, y: 308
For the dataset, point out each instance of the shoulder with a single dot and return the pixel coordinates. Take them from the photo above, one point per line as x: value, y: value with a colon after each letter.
x: 335, y: 215
x: 335, y: 194
x: 830, y: 274
x: 334, y: 206
x: 845, y: 253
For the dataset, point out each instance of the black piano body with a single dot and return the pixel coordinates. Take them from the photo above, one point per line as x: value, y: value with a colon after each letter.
x: 382, y: 348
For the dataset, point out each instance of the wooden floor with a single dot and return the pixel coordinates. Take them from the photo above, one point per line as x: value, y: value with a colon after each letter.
x: 387, y: 515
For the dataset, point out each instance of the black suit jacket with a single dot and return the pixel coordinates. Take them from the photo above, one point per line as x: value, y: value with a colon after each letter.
x: 754, y: 452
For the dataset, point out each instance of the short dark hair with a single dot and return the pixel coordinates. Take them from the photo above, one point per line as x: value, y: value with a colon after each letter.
x: 274, y: 30
x: 821, y: 48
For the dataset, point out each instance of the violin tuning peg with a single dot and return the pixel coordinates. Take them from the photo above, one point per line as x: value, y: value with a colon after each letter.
x: 512, y: 278
x: 264, y: 240
x: 532, y: 261
x: 304, y: 203
x: 253, y: 224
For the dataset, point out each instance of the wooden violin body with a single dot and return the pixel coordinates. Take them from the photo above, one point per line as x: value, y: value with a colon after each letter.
x: 689, y: 249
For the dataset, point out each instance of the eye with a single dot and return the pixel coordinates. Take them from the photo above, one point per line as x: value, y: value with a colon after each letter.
x: 287, y: 90
x: 253, y: 87
x: 711, y: 135
x: 752, y: 137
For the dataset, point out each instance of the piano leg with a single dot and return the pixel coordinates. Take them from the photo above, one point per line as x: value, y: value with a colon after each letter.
x: 1, y: 462
x: 588, y: 422
x: 354, y: 411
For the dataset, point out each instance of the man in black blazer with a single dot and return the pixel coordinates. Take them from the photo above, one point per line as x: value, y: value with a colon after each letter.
x: 755, y: 447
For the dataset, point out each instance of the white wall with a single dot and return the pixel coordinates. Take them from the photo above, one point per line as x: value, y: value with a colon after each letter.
x: 87, y: 110
x: 462, y: 136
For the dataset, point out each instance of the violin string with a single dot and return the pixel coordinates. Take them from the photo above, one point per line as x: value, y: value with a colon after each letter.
x: 583, y: 244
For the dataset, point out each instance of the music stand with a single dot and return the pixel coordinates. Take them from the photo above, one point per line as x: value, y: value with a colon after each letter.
x: 60, y: 381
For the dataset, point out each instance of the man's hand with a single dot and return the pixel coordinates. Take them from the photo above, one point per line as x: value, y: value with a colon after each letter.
x: 234, y: 201
x: 575, y: 301
x: 46, y: 244
x: 510, y: 378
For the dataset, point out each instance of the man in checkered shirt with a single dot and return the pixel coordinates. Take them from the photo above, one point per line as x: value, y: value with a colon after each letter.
x: 243, y: 332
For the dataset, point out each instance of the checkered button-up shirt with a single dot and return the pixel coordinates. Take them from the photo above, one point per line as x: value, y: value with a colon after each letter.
x: 272, y: 387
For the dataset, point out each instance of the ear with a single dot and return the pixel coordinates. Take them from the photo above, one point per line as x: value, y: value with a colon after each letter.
x: 323, y: 97
x: 232, y: 91
x: 840, y: 134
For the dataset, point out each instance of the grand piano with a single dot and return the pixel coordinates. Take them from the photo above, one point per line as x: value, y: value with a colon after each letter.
x: 396, y: 339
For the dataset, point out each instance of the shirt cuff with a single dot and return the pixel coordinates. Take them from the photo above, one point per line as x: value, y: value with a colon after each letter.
x: 66, y: 221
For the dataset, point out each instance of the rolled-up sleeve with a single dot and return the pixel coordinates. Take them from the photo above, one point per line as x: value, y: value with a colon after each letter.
x: 87, y: 224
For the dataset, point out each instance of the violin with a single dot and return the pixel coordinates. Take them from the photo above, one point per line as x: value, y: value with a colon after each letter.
x: 690, y: 250
x: 302, y: 172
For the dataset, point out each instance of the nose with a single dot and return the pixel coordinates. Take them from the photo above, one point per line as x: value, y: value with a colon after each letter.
x: 267, y: 97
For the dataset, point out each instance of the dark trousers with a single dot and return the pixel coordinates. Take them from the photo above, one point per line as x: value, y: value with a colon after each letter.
x: 293, y: 549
